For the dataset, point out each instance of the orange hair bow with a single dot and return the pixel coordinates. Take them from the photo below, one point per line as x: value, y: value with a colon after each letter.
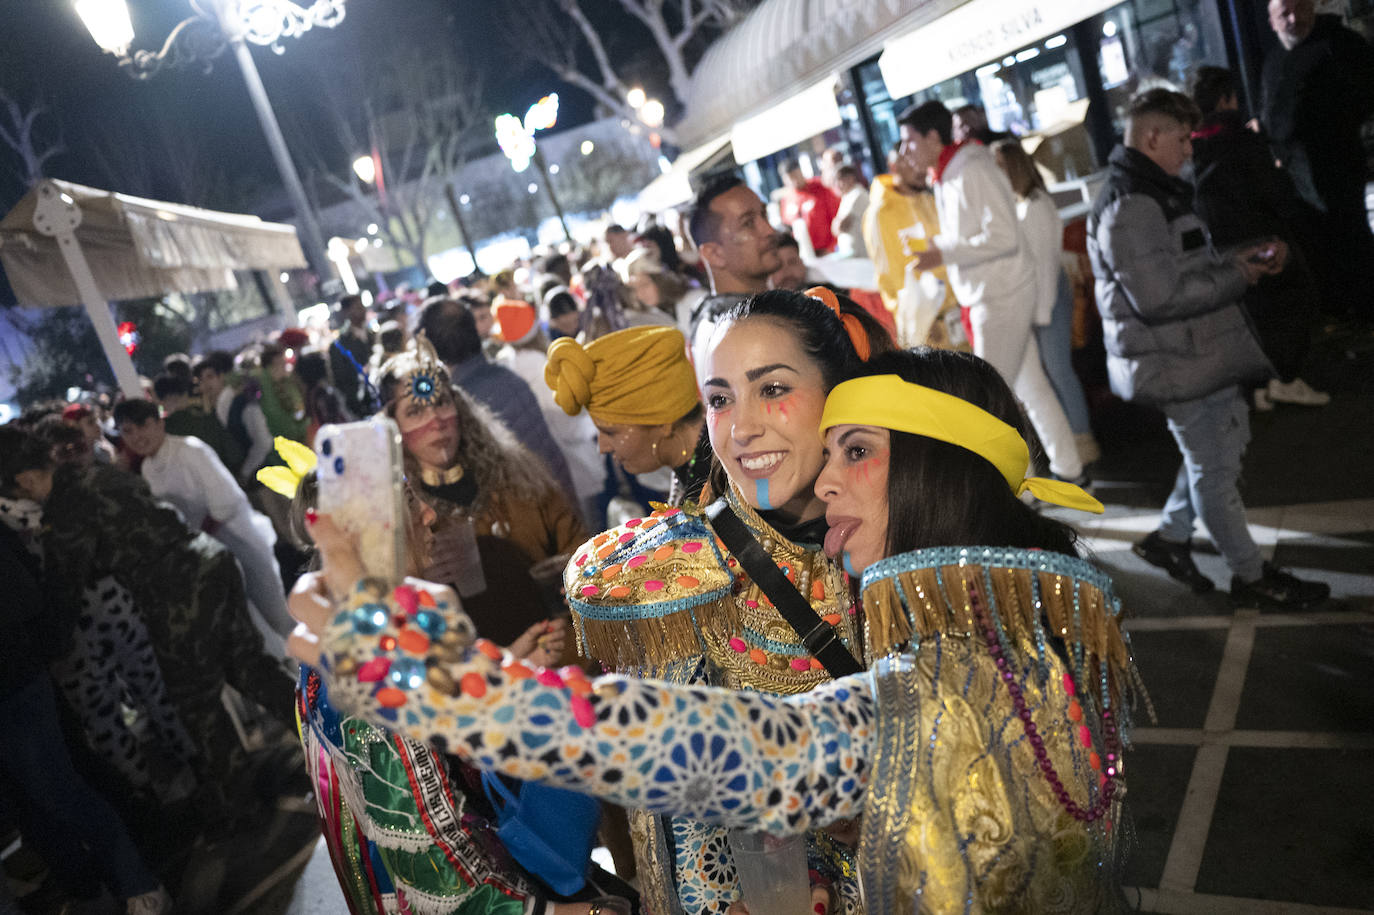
x: 852, y: 325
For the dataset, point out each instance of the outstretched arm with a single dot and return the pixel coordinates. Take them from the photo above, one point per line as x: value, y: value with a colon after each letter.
x: 407, y: 661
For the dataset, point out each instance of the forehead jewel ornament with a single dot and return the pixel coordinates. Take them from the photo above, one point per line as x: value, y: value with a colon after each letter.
x: 425, y: 377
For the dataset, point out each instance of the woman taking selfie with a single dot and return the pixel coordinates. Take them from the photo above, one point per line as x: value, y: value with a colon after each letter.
x: 766, y: 370
x: 984, y: 755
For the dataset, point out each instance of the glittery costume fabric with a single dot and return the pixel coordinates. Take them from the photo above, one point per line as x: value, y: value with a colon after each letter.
x: 661, y: 597
x: 929, y: 745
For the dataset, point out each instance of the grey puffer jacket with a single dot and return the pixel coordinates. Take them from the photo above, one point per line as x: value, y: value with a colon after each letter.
x: 1172, y: 321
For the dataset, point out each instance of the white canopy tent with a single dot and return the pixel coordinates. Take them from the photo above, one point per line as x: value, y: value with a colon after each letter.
x: 67, y: 244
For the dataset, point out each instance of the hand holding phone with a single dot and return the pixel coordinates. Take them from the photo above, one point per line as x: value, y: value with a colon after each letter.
x: 361, y: 481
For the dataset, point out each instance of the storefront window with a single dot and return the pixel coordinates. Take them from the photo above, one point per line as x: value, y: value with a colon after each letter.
x: 1041, y: 86
x: 1031, y: 89
x: 1148, y: 43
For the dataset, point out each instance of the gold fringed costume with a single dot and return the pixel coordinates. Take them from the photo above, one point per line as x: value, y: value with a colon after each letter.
x: 1013, y: 667
x: 661, y: 597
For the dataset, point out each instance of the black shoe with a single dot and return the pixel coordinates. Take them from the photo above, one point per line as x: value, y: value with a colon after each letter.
x: 1278, y: 590
x: 1174, y: 558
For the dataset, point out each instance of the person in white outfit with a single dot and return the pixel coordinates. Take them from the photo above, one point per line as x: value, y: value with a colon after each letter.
x: 1042, y: 231
x: 849, y: 221
x: 186, y: 472
x: 990, y: 268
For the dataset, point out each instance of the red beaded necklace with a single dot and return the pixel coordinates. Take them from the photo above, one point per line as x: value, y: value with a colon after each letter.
x: 1107, y: 781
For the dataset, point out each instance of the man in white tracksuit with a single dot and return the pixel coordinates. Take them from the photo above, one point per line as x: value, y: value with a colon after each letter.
x: 990, y: 270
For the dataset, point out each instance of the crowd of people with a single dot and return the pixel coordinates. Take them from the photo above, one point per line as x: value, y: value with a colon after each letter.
x: 675, y: 460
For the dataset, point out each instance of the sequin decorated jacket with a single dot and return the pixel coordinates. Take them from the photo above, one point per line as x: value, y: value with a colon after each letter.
x: 984, y: 757
x: 661, y: 597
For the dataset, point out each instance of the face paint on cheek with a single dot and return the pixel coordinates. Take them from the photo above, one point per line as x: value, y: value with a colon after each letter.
x: 787, y: 403
x: 761, y: 495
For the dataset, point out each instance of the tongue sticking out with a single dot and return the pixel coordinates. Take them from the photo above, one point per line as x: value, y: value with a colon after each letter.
x: 839, y: 534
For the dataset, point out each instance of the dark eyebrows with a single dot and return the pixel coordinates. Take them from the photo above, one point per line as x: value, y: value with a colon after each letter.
x: 751, y: 375
x: 756, y: 374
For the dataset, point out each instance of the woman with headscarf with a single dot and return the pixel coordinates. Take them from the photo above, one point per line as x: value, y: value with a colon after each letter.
x: 637, y: 386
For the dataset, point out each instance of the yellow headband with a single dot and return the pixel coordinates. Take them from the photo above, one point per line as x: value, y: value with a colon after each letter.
x: 891, y: 403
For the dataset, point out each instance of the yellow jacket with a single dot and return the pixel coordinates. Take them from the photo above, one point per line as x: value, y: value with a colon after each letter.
x: 889, y: 212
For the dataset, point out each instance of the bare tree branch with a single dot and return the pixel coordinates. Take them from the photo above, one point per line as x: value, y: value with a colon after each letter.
x: 19, y: 136
x: 543, y: 30
x: 417, y: 112
x: 593, y: 39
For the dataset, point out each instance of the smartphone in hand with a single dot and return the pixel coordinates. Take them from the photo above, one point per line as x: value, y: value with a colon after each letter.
x: 362, y: 487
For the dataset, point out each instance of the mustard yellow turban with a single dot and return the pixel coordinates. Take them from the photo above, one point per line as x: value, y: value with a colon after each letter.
x: 639, y: 376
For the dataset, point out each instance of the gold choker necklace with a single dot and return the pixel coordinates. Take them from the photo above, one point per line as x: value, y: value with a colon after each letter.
x: 441, y: 477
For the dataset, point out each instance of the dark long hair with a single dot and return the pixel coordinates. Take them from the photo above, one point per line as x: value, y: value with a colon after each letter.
x: 943, y: 495
x: 819, y: 332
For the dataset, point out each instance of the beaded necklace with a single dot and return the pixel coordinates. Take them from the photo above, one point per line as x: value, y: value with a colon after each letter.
x: 1108, y: 782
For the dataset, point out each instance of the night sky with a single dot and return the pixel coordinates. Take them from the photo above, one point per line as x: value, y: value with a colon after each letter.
x: 101, y: 115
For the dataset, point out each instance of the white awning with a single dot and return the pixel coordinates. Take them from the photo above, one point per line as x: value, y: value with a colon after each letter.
x: 139, y: 248
x: 813, y: 110
x: 673, y: 188
x: 973, y: 34
x: 784, y: 44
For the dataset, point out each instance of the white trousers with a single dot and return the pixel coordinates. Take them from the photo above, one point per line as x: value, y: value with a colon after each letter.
x: 1002, y: 335
x: 250, y: 539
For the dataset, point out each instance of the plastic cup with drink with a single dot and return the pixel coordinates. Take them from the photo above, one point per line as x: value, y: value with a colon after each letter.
x: 773, y: 878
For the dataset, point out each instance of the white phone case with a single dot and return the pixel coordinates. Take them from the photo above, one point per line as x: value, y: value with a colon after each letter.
x: 361, y: 481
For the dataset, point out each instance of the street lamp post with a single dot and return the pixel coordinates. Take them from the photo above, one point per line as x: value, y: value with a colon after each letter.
x: 516, y: 138
x: 217, y: 25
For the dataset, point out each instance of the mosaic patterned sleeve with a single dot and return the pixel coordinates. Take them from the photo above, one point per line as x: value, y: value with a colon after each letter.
x: 407, y: 660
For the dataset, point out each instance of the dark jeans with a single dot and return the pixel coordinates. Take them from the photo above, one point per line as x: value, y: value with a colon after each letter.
x: 72, y: 827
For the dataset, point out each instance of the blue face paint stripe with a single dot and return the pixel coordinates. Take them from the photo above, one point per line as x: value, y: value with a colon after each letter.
x: 761, y: 492
x: 848, y: 565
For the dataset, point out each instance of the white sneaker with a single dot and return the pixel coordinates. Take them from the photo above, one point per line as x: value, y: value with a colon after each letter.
x: 1262, y: 402
x: 1297, y: 392
x: 158, y: 902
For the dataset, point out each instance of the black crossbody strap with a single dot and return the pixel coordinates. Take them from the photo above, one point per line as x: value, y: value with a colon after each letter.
x: 818, y: 637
